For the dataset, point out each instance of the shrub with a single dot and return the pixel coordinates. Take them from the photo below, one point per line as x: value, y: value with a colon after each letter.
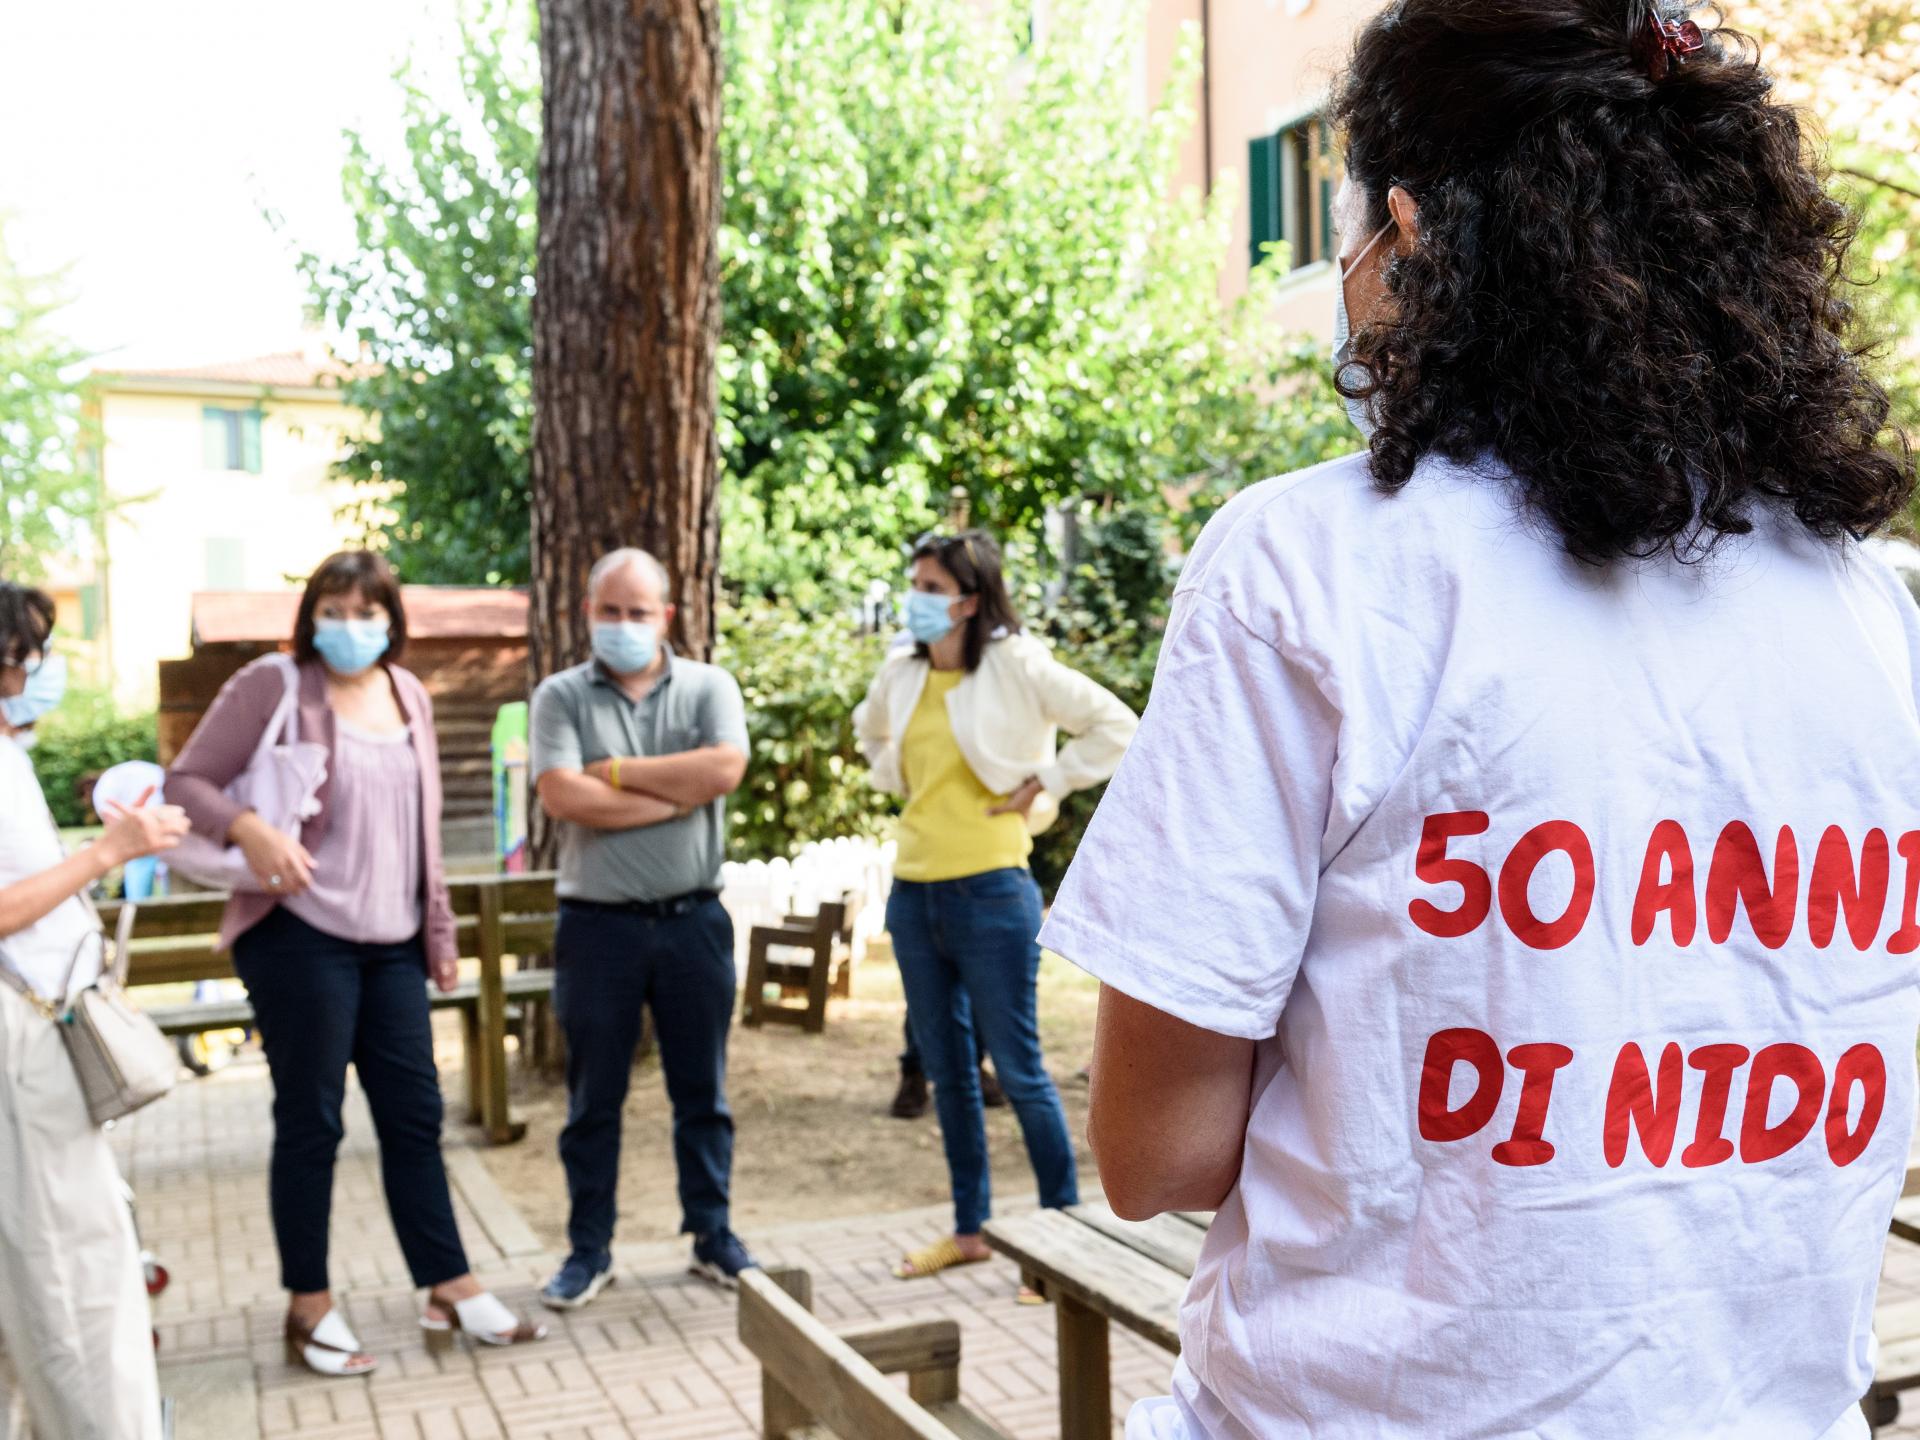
x: 85, y: 735
x: 801, y: 675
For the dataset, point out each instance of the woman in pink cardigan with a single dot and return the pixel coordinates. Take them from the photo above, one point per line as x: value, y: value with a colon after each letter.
x: 352, y: 915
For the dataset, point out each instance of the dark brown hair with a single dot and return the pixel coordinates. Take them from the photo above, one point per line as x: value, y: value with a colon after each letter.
x: 26, y: 622
x: 973, y: 560
x: 1630, y: 285
x: 360, y: 570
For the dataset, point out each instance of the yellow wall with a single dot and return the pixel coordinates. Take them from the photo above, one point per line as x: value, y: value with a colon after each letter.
x: 170, y: 506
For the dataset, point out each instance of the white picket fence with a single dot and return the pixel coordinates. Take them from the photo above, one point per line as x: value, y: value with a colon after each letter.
x: 764, y: 892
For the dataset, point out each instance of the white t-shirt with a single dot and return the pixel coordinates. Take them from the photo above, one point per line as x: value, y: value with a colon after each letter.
x: 29, y: 843
x: 1388, y: 815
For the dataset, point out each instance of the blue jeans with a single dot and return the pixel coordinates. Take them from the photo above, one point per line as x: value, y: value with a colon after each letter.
x: 607, y: 964
x: 969, y: 945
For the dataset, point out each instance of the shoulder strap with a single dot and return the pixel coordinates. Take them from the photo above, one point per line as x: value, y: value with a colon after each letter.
x: 284, y: 727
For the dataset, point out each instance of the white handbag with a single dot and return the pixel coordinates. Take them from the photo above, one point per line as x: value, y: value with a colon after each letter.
x: 281, y: 785
x: 122, y: 1060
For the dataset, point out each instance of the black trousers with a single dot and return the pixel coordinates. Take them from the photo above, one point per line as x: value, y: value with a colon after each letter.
x: 321, y: 1002
x: 608, y: 963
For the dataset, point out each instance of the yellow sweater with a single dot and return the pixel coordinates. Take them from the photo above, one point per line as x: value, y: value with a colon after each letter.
x: 945, y: 832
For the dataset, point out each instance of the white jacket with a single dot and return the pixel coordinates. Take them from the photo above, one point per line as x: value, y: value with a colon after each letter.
x: 1006, y: 719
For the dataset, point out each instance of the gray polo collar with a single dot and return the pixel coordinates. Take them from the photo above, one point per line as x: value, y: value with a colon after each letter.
x: 598, y: 674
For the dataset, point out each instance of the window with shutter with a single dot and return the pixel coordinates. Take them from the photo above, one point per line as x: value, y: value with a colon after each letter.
x: 1291, y: 178
x: 1263, y: 196
x: 230, y: 438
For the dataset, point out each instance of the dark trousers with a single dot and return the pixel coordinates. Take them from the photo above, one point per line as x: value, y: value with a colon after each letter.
x: 321, y: 1002
x: 608, y: 963
x: 910, y: 1063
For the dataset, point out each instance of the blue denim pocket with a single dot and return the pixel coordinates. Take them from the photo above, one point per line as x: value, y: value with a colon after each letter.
x: 993, y: 887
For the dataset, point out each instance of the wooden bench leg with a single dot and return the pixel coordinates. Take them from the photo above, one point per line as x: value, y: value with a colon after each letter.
x: 500, y: 1126
x: 474, y: 1053
x: 1086, y: 1389
x: 752, y: 996
x: 780, y: 1412
x: 817, y: 980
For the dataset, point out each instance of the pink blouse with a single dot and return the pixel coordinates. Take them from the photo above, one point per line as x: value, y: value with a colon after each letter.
x: 366, y: 868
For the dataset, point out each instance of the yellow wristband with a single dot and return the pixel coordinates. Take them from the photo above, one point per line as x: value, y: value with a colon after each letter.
x: 614, y: 771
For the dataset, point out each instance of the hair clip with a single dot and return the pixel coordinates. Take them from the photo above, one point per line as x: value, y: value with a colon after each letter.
x: 1666, y: 44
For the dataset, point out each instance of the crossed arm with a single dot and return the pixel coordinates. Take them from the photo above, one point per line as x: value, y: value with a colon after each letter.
x: 653, y: 788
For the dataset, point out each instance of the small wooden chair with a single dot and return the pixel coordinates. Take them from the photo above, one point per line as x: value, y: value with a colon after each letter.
x: 827, y: 940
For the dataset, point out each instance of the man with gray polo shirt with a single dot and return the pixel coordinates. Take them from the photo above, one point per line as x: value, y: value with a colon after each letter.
x: 634, y: 754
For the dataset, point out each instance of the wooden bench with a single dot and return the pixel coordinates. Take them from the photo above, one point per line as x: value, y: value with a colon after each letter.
x: 1100, y: 1270
x: 811, y: 1376
x: 1896, y: 1324
x: 174, y: 942
x: 827, y: 940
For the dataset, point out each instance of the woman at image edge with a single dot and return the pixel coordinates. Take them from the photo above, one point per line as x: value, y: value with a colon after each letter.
x: 1595, y: 574
x: 965, y: 724
x: 76, y: 1347
x: 336, y: 948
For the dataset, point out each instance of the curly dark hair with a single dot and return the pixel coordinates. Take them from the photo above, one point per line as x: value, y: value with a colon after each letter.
x: 1629, y: 284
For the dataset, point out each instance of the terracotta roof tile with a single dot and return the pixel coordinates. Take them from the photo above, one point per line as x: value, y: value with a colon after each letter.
x: 288, y: 370
x: 434, y: 612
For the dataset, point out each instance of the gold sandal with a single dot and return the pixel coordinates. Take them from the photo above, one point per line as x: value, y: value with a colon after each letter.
x: 942, y: 1255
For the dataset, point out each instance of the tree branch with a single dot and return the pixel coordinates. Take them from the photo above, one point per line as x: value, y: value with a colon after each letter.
x: 1880, y: 180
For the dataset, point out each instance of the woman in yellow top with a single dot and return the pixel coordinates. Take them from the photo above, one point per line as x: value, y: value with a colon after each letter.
x: 966, y: 726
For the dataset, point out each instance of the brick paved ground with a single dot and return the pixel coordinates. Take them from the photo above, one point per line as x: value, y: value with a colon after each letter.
x: 654, y: 1357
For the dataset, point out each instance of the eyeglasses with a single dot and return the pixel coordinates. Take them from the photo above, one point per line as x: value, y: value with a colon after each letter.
x: 942, y: 545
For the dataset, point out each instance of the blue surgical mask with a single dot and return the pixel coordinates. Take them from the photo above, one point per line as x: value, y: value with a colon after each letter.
x: 626, y: 647
x: 1359, y: 411
x: 929, y: 617
x: 350, y: 646
x: 46, y: 686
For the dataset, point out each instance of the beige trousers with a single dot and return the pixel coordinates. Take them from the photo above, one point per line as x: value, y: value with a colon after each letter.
x: 74, y: 1322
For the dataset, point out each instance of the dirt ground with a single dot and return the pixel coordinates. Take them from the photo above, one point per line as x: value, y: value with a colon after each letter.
x: 812, y: 1139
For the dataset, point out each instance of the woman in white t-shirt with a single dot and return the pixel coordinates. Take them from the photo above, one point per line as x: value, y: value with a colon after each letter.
x: 1507, y: 908
x: 76, y: 1348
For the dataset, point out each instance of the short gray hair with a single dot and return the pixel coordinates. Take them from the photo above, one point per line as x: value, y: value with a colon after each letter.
x: 628, y: 555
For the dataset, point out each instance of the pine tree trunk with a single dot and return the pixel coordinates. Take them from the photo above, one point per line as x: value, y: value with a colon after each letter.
x: 626, y: 316
x: 626, y: 313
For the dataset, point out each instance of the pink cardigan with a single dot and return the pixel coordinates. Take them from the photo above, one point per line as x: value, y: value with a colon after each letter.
x: 226, y: 739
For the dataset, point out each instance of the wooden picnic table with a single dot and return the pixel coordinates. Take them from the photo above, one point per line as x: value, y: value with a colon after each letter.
x: 1098, y: 1269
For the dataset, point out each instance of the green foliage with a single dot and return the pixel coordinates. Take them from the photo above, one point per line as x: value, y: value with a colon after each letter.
x: 438, y: 292
x: 948, y: 257
x: 47, y: 498
x: 85, y: 735
x: 1885, y: 188
x: 801, y: 677
x: 1107, y: 624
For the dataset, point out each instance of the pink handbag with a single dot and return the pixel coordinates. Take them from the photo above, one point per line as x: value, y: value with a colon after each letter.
x: 281, y: 785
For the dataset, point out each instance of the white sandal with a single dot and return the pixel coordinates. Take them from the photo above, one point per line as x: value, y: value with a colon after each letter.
x: 329, y: 1348
x: 479, y: 1317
